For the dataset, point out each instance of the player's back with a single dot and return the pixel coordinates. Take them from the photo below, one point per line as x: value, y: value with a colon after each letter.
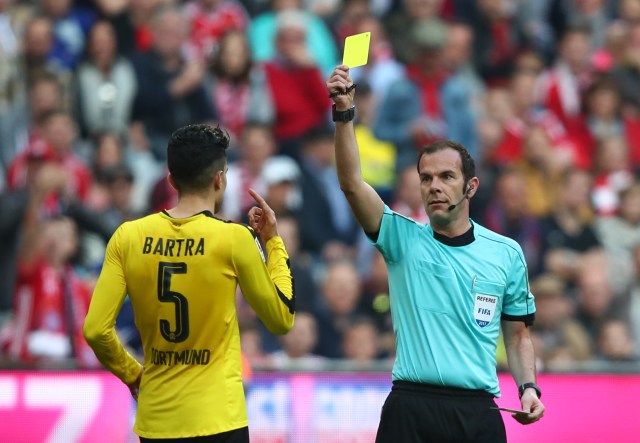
x: 181, y: 277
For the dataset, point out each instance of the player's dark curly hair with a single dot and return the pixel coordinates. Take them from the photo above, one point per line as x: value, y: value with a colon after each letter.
x: 468, y: 165
x: 194, y: 154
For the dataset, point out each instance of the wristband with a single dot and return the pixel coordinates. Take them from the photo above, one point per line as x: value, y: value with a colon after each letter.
x: 524, y: 386
x: 343, y: 116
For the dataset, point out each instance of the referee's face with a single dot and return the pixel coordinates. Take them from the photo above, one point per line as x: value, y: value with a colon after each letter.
x: 441, y: 185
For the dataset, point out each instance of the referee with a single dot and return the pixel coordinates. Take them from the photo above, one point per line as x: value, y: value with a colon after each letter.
x: 453, y: 285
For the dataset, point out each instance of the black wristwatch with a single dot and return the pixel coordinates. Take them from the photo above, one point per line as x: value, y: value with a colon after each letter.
x: 524, y: 386
x: 343, y: 116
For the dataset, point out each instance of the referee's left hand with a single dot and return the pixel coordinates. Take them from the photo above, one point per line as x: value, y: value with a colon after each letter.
x: 530, y: 402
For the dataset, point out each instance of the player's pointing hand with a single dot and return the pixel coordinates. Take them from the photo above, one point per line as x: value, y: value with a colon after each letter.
x: 262, y: 219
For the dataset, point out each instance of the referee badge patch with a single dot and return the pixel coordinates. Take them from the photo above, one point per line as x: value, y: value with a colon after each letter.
x: 484, y: 308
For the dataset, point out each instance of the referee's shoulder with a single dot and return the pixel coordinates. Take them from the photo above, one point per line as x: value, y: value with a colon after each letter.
x: 495, y: 239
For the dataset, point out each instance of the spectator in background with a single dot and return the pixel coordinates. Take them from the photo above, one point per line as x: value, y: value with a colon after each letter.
x: 209, y: 20
x: 13, y: 92
x: 526, y: 114
x: 412, y: 113
x: 319, y: 43
x: 131, y: 20
x: 463, y: 92
x: 498, y: 110
x: 560, y: 339
x: 627, y: 74
x: 59, y: 134
x: 382, y: 69
x: 592, y: 14
x: 615, y: 343
x: 50, y: 300
x: 534, y: 27
x: 256, y: 146
x: 111, y: 149
x: 71, y: 24
x: 507, y: 214
x: 595, y: 300
x: 378, y: 157
x: 568, y: 233
x: 298, y: 345
x: 338, y: 307
x: 613, y: 174
x: 168, y: 82
x: 496, y: 41
x: 45, y: 96
x: 541, y: 166
x: 119, y: 184
x: 360, y: 342
x: 603, y: 117
x: 406, y: 17
x: 375, y: 302
x: 251, y: 344
x: 294, y: 82
x: 108, y: 152
x: 327, y: 228
x: 307, y: 292
x: 560, y: 88
x: 13, y: 208
x: 620, y: 234
x: 407, y: 199
x: 634, y: 300
x: 232, y: 93
x: 106, y: 84
x: 38, y: 41
x: 281, y: 177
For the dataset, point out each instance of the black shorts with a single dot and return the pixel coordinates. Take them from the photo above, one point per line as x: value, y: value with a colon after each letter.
x: 421, y: 413
x: 236, y: 436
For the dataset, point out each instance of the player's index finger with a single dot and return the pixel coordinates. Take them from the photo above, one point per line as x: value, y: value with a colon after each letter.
x: 257, y: 198
x: 356, y: 49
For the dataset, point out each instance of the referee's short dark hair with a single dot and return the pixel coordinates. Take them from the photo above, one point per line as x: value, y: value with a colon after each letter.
x: 468, y: 164
x: 194, y: 154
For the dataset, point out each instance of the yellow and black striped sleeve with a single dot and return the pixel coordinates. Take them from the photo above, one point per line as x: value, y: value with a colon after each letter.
x: 267, y: 288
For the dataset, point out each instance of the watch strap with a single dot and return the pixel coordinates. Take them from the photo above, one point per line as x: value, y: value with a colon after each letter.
x: 528, y: 385
x: 343, y: 116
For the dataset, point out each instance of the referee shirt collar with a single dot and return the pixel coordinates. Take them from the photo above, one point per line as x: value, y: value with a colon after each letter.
x: 461, y: 240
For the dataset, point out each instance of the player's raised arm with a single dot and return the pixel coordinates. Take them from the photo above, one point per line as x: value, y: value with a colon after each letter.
x: 366, y: 204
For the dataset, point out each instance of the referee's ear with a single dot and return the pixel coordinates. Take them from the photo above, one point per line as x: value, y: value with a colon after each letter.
x: 472, y: 187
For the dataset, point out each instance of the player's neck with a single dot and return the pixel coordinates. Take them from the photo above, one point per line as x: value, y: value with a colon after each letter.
x: 189, y: 205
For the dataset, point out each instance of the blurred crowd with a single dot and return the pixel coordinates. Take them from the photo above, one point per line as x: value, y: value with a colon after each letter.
x: 545, y: 94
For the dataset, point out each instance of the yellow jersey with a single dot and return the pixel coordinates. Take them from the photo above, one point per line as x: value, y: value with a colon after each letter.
x: 181, y: 276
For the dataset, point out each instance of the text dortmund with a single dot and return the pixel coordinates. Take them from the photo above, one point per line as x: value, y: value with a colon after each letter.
x: 186, y: 357
x: 169, y: 247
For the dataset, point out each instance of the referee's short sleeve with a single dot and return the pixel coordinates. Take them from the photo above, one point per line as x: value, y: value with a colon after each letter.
x: 396, y: 233
x: 519, y: 304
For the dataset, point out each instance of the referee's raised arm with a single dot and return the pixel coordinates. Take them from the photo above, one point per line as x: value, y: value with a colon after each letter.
x: 366, y: 204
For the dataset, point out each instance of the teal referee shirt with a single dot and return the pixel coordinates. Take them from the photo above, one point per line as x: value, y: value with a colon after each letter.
x: 447, y: 298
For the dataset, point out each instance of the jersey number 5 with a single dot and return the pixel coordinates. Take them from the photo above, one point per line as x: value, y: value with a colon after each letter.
x: 165, y: 294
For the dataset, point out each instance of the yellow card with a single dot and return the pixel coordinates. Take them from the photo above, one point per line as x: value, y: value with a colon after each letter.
x: 356, y: 50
